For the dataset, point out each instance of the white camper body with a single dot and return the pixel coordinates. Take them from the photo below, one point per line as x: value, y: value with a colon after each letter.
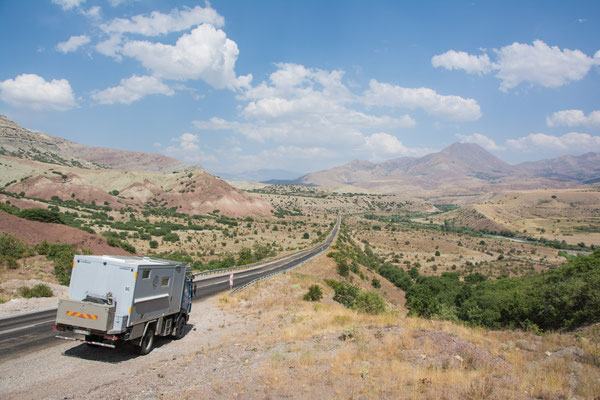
x: 121, y: 298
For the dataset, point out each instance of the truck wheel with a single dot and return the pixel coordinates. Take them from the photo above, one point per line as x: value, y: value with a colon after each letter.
x: 179, y: 329
x: 147, y: 342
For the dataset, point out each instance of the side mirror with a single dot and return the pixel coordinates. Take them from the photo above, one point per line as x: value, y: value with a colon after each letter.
x: 194, y: 291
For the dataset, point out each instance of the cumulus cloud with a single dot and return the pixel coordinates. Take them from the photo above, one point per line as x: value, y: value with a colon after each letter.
x: 454, y: 108
x: 158, y: 23
x: 480, y: 139
x: 68, y: 4
x: 572, y: 118
x: 110, y: 47
x: 452, y: 59
x: 204, y: 53
x: 572, y: 141
x: 73, y: 43
x: 382, y: 146
x: 187, y: 148
x: 32, y: 91
x: 299, y: 105
x: 536, y: 63
x: 132, y: 89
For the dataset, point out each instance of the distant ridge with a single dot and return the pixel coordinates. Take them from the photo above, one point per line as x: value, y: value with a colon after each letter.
x: 459, y: 168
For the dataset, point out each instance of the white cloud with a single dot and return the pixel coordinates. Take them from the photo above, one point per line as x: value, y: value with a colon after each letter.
x: 521, y: 62
x: 187, y: 148
x: 446, y: 107
x: 110, y: 47
x: 461, y: 60
x: 301, y: 106
x: 158, y: 23
x: 204, y: 53
x: 68, y: 4
x: 132, y: 89
x: 92, y: 12
x: 383, y: 146
x: 572, y: 141
x: 540, y: 63
x: 73, y: 43
x: 573, y: 118
x: 482, y: 140
x: 32, y: 91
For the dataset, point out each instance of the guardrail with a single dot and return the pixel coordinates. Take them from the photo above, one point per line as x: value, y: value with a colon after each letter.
x: 256, y: 264
x: 324, y: 246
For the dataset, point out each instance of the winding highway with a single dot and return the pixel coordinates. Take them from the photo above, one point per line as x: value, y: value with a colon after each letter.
x: 27, y: 333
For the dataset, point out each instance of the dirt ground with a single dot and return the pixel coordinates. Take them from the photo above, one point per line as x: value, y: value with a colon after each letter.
x: 266, y: 342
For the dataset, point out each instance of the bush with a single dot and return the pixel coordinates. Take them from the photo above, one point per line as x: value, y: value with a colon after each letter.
x: 11, y: 262
x: 563, y: 298
x: 306, y: 235
x: 153, y: 244
x: 314, y: 293
x: 42, y: 215
x: 128, y: 247
x: 370, y: 302
x: 62, y: 254
x: 345, y: 293
x: 342, y: 268
x: 39, y: 290
x: 12, y: 247
x: 376, y: 283
x: 171, y: 237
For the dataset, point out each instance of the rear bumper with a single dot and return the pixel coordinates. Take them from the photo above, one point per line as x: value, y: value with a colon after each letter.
x: 112, y: 346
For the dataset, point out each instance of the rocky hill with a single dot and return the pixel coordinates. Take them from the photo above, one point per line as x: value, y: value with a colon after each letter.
x: 43, y: 166
x: 19, y: 142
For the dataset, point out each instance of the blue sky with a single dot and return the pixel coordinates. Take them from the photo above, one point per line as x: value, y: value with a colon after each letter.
x: 300, y: 86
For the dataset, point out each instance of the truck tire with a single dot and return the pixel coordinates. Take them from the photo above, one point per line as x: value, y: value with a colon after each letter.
x: 147, y: 342
x: 179, y: 329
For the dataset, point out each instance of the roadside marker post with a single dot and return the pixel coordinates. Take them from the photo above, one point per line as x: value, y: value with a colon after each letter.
x: 231, y: 281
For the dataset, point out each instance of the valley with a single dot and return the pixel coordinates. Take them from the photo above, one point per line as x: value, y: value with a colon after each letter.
x: 399, y: 277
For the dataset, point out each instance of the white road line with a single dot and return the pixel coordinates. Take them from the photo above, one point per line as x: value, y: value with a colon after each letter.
x: 26, y: 326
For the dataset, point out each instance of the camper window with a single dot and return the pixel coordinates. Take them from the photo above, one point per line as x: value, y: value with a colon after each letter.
x: 165, y: 282
x: 146, y: 274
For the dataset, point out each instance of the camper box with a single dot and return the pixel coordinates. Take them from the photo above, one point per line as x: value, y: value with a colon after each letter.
x: 113, y: 293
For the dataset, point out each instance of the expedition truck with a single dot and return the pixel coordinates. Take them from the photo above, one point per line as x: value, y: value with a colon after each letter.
x: 114, y: 299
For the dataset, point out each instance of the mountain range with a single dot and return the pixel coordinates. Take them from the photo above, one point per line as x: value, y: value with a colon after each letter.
x: 459, y: 168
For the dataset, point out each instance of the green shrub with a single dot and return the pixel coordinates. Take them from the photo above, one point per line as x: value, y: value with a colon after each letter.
x: 376, y: 283
x: 39, y: 290
x: 314, y: 293
x: 62, y: 254
x: 113, y: 241
x: 42, y: 215
x: 128, y: 247
x: 342, y: 268
x: 10, y: 246
x: 171, y: 237
x: 370, y: 302
x: 345, y: 293
x: 153, y: 244
x: 11, y: 262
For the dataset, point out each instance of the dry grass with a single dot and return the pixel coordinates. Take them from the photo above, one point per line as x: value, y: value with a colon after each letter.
x: 324, y: 350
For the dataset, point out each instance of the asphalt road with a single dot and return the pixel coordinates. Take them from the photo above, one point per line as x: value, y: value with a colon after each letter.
x: 27, y: 333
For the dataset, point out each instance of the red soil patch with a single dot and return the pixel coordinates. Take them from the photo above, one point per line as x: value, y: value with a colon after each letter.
x: 33, y: 233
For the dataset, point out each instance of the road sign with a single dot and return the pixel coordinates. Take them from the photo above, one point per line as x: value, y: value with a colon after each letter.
x: 230, y: 280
